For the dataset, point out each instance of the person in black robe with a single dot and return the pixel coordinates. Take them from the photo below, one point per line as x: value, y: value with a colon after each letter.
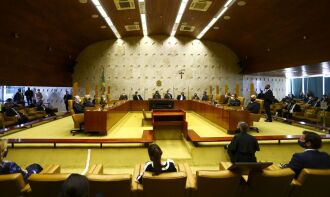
x: 137, y: 96
x: 253, y: 106
x: 268, y: 100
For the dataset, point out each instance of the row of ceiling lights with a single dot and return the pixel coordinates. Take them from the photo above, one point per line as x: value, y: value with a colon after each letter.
x: 182, y: 8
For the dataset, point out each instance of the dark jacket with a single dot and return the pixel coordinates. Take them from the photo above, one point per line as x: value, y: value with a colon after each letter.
x: 253, y: 107
x: 137, y: 97
x: 234, y: 102
x: 243, y: 147
x: 268, y: 97
x: 309, y: 159
x: 168, y: 96
x: 77, y: 108
x: 179, y: 96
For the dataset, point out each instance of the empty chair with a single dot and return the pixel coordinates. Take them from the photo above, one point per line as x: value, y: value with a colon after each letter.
x: 110, y: 185
x: 13, y: 185
x: 312, y: 182
x: 47, y: 185
x: 146, y: 119
x: 78, y: 120
x: 217, y: 183
x: 270, y: 183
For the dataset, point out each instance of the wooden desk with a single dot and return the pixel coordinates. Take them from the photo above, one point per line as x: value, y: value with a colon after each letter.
x: 161, y: 118
x: 160, y: 104
x: 100, y: 121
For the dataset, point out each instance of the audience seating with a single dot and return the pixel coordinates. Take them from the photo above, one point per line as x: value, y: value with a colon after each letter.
x: 312, y: 182
x: 242, y: 100
x: 6, y: 121
x: 13, y: 185
x: 29, y: 116
x: 270, y: 183
x: 33, y: 111
x: 163, y: 185
x: 217, y: 183
x: 146, y: 119
x: 78, y: 120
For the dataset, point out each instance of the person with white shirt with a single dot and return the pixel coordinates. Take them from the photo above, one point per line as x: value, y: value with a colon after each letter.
x: 181, y: 97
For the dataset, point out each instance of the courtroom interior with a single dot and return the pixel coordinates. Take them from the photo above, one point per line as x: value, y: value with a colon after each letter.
x: 165, y: 97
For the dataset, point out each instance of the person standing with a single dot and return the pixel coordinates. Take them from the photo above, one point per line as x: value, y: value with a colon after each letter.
x: 39, y: 97
x: 137, y: 96
x: 66, y: 99
x: 29, y: 95
x: 268, y: 100
x: 243, y: 146
x: 19, y: 97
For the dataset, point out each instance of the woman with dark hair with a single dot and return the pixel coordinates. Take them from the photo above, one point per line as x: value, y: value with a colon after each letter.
x: 75, y: 185
x: 156, y: 165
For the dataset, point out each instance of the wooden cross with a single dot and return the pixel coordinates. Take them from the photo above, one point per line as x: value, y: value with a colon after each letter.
x: 181, y: 73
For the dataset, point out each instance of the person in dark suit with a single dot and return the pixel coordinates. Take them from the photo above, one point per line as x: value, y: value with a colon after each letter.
x: 123, y: 96
x: 156, y: 95
x: 88, y: 101
x: 181, y: 97
x: 77, y: 107
x: 268, y: 100
x: 205, y: 97
x: 29, y: 95
x: 66, y: 99
x: 233, y: 101
x: 137, y: 96
x: 311, y: 157
x: 243, y: 147
x: 253, y: 106
x: 168, y: 95
x: 195, y: 97
x: 293, y: 107
x: 226, y: 99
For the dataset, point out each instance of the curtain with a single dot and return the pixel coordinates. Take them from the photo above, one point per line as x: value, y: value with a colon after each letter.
x: 296, y: 86
x: 314, y: 85
x: 327, y: 86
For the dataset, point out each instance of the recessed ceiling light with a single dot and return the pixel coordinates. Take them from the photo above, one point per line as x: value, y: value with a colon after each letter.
x: 216, y: 27
x: 241, y: 3
x: 136, y: 23
x: 226, y: 17
x: 82, y: 1
x: 95, y: 15
x: 142, y: 8
x: 103, y: 27
x: 182, y: 8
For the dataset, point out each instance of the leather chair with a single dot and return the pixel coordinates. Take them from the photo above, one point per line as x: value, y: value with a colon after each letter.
x: 261, y: 103
x: 30, y: 117
x: 33, y: 111
x: 46, y: 184
x: 163, y: 185
x: 270, y: 183
x: 6, y: 121
x: 242, y: 100
x: 312, y: 182
x: 146, y: 119
x: 13, y: 185
x: 217, y: 183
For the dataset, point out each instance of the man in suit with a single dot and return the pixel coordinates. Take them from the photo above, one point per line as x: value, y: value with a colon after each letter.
x: 29, y: 95
x: 137, y: 96
x: 243, y: 147
x: 268, y: 100
x: 123, y: 96
x: 293, y: 107
x: 253, y: 106
x: 168, y: 95
x: 195, y: 97
x: 181, y: 97
x: 205, y: 97
x: 311, y: 157
x: 77, y: 107
x: 233, y: 101
x: 156, y: 95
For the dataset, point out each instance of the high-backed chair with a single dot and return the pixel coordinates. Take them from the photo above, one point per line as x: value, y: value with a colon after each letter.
x: 146, y: 119
x: 270, y: 183
x: 312, y: 182
x: 13, y: 185
x: 261, y: 103
x: 110, y: 185
x: 78, y: 120
x: 162, y: 185
x: 217, y: 183
x: 242, y: 100
x: 6, y: 121
x: 46, y: 184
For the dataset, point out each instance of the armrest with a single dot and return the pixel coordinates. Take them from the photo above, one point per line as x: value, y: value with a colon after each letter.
x: 273, y: 167
x: 295, y: 183
x: 26, y: 189
x: 96, y: 169
x: 191, y: 178
x: 51, y: 169
x: 224, y: 165
x: 136, y: 187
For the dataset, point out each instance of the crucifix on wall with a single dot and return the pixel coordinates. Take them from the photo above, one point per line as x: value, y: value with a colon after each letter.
x: 181, y: 72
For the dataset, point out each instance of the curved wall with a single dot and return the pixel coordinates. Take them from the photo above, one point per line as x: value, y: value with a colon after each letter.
x: 137, y: 63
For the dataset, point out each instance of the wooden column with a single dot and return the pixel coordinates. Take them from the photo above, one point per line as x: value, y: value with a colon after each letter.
x: 75, y: 89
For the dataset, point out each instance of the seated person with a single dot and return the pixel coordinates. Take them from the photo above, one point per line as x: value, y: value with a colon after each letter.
x: 311, y: 100
x: 9, y: 167
x: 311, y: 157
x: 156, y: 95
x: 261, y: 94
x: 227, y: 97
x: 168, y: 95
x: 253, y: 106
x: 243, y: 146
x: 77, y: 107
x: 137, y: 96
x: 156, y: 165
x: 181, y: 97
x: 233, y: 101
x: 195, y: 97
x: 205, y: 97
x: 88, y: 101
x: 123, y: 96
x: 75, y: 185
x: 292, y: 107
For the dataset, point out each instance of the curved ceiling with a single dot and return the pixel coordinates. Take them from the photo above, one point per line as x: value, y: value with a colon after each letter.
x: 41, y: 37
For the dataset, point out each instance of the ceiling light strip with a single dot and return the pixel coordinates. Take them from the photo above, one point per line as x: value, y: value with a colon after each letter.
x: 142, y: 7
x: 107, y: 19
x: 220, y: 13
x: 179, y: 16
